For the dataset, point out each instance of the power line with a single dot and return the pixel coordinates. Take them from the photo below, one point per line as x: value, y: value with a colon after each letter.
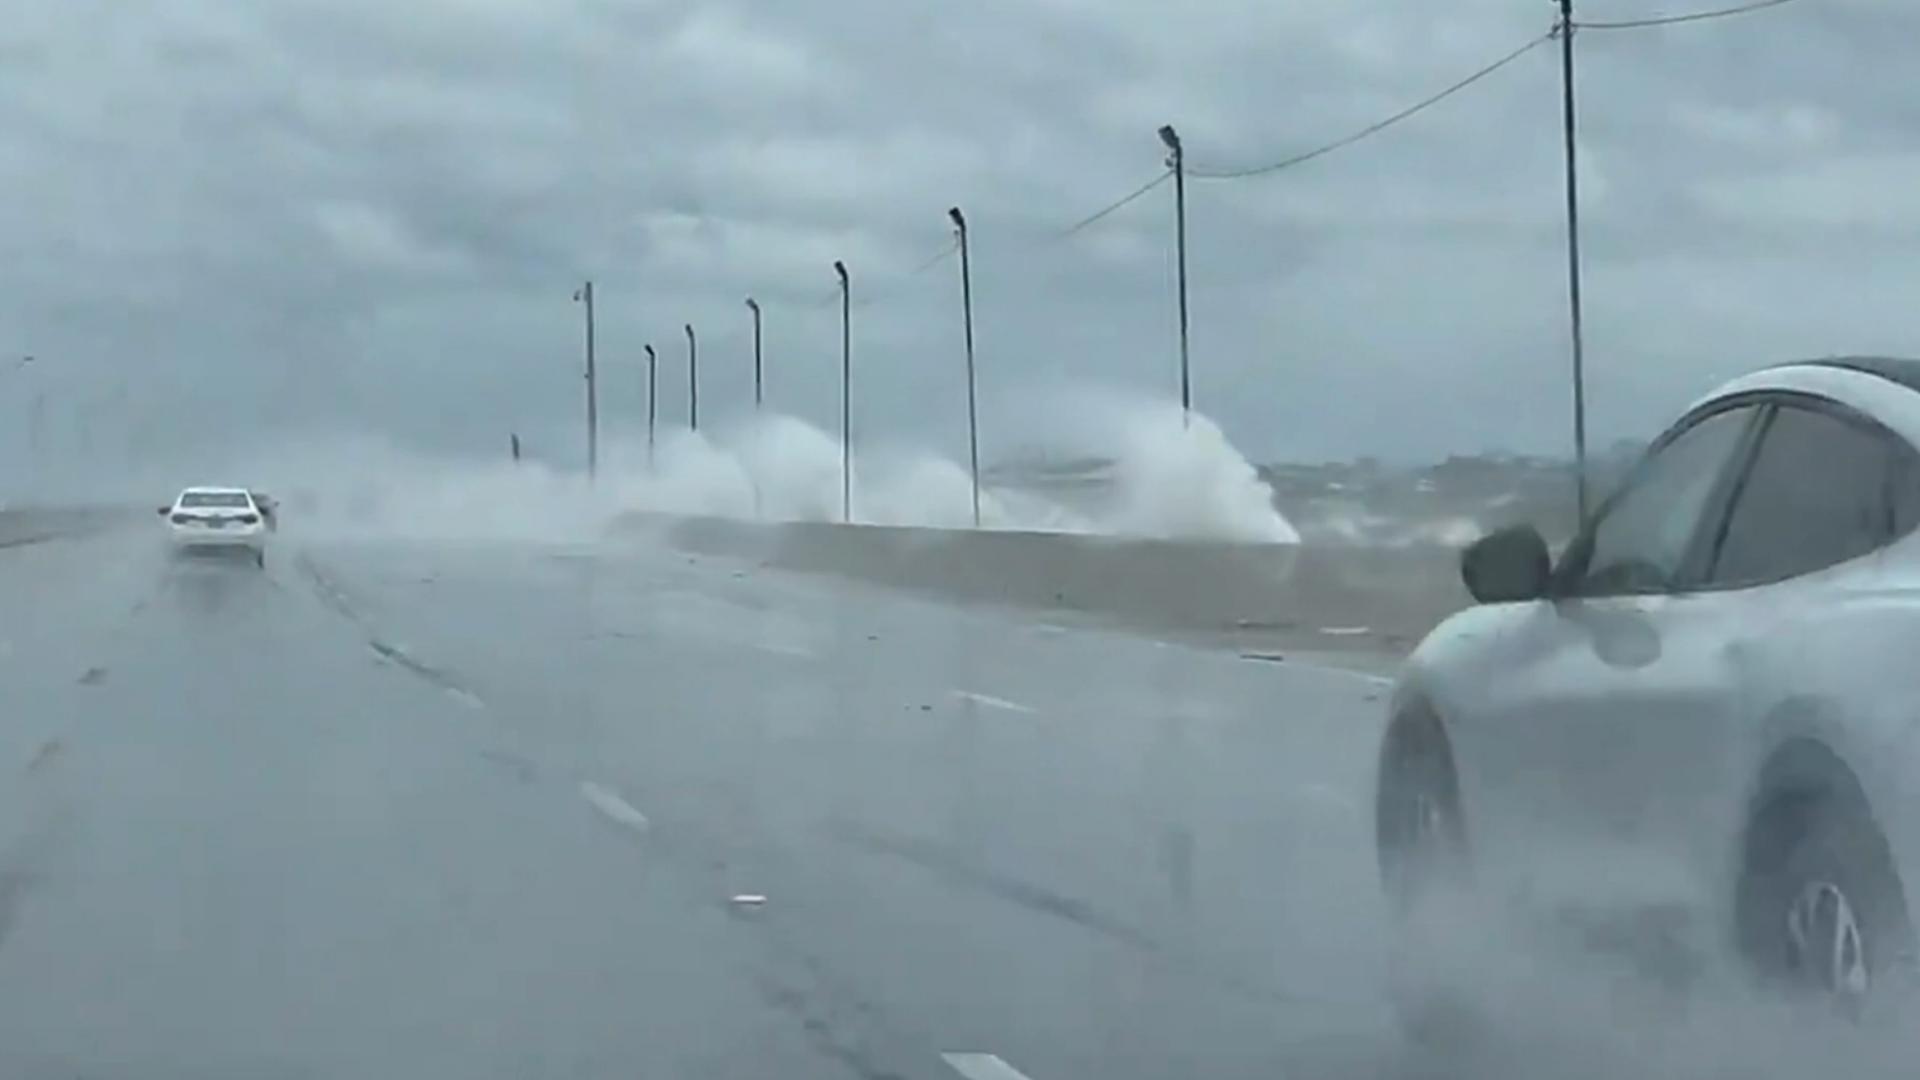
x: 1379, y: 125
x: 936, y: 259
x: 828, y: 299
x: 888, y: 288
x: 1671, y: 20
x: 1113, y: 206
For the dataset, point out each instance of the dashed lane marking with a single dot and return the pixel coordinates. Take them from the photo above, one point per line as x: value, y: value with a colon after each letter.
x: 991, y: 702
x: 612, y: 806
x: 982, y: 1067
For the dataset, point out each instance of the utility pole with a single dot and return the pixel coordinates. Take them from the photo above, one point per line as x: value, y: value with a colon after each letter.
x: 966, y: 311
x: 1573, y: 264
x: 693, y: 380
x: 846, y: 393
x: 754, y: 306
x: 584, y: 295
x: 1177, y: 161
x: 653, y: 365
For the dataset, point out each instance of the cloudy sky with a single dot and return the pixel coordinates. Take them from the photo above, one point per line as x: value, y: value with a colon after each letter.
x: 243, y: 220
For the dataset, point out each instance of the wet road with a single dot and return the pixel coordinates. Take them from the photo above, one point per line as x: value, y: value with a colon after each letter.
x: 431, y: 810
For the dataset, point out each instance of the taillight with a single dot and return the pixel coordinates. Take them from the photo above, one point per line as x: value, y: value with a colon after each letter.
x: 249, y: 519
x: 181, y: 519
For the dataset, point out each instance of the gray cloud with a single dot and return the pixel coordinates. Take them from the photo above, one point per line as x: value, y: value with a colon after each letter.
x: 359, y: 215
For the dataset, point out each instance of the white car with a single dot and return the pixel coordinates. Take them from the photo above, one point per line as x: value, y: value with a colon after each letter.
x: 1699, y: 731
x: 218, y: 519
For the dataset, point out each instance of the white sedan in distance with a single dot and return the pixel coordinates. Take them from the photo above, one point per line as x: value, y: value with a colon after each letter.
x: 1695, y: 732
x: 217, y: 519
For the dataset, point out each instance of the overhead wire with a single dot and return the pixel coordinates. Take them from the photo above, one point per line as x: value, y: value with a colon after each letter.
x: 1674, y: 20
x: 1377, y: 126
x: 1112, y: 207
x: 864, y: 298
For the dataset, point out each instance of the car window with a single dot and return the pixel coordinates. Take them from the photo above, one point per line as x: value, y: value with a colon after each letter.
x: 1821, y: 490
x: 1640, y: 540
x: 221, y: 500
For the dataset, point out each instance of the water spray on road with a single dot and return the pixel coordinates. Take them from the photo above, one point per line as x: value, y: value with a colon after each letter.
x: 1121, y: 468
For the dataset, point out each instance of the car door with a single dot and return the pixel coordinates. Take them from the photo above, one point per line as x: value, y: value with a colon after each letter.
x: 1584, y: 674
x: 1645, y: 700
x: 1791, y: 591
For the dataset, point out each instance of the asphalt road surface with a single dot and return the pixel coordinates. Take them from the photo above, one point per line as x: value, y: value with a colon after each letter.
x: 429, y: 810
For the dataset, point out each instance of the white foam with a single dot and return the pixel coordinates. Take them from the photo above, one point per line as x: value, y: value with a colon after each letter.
x: 1159, y: 477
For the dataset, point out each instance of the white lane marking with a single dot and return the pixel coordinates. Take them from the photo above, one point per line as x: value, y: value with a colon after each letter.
x: 992, y: 702
x: 1346, y: 631
x: 780, y: 648
x: 1326, y: 796
x: 982, y: 1067
x: 609, y: 803
x: 466, y: 697
x: 1326, y: 669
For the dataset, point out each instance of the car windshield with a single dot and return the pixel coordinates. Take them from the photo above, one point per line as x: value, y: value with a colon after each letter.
x: 215, y: 500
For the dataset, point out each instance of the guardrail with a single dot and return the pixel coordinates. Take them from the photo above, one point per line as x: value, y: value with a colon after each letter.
x: 21, y: 525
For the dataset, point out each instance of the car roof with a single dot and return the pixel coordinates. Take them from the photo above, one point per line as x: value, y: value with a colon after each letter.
x: 1895, y: 369
x: 1884, y: 388
x: 213, y: 491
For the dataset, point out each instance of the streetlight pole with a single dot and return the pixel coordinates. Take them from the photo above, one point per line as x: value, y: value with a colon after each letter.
x: 1177, y: 161
x: 754, y: 306
x: 846, y: 393
x: 653, y: 366
x: 693, y: 380
x: 966, y: 311
x: 1573, y: 263
x: 585, y: 295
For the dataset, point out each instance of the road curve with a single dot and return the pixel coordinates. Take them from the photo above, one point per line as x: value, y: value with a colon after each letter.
x: 517, y: 810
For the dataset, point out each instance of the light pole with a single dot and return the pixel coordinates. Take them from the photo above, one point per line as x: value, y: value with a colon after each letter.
x: 653, y: 365
x: 584, y: 295
x: 1177, y: 161
x: 846, y: 393
x: 1573, y: 264
x: 693, y: 380
x: 966, y: 311
x: 754, y: 306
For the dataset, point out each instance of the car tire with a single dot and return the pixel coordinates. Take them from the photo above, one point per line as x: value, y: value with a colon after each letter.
x: 260, y: 559
x: 1820, y: 911
x: 1419, y: 831
x: 1421, y: 843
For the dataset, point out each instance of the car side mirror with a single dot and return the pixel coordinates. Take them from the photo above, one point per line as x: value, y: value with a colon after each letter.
x: 1507, y: 566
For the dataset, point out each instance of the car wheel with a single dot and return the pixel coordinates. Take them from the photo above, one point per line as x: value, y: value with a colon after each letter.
x: 1421, y: 841
x: 1420, y: 835
x: 260, y: 559
x: 1820, y: 911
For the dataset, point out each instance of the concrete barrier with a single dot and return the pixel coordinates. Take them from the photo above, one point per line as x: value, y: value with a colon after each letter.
x: 35, y: 524
x: 1299, y: 597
